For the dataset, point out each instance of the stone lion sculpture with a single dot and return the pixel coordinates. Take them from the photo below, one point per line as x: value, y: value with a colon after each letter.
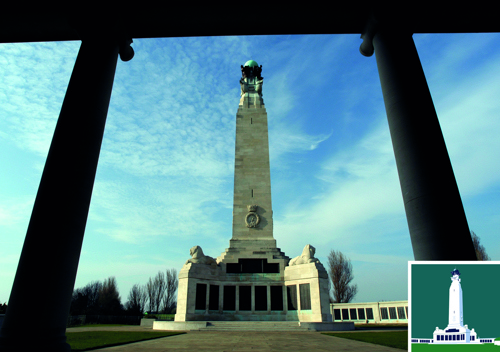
x: 199, y: 258
x: 306, y: 257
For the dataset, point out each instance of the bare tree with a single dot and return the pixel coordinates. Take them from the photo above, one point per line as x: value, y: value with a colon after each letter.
x: 156, y: 291
x: 332, y: 300
x: 340, y: 272
x: 92, y: 291
x: 137, y: 299
x: 150, y: 294
x: 109, y: 298
x: 161, y: 285
x: 480, y: 250
x: 169, y: 301
x: 160, y: 291
x: 85, y: 300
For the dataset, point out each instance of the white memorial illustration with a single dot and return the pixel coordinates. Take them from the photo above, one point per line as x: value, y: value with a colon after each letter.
x: 456, y: 331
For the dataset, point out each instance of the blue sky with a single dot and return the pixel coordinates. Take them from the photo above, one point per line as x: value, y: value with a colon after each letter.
x: 165, y: 177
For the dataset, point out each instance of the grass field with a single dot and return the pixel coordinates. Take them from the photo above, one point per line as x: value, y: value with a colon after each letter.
x: 423, y: 347
x: 80, y: 341
x: 98, y: 325
x: 380, y: 326
x: 396, y: 339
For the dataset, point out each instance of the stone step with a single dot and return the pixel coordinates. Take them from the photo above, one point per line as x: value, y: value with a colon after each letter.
x: 252, y: 326
x: 254, y: 329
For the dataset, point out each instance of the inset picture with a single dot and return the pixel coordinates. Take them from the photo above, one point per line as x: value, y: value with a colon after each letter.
x: 453, y: 303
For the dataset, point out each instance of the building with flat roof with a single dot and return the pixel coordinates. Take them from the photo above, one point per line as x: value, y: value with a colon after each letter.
x: 388, y: 312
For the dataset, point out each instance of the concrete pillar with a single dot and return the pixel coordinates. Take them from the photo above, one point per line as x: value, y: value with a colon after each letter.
x: 268, y: 288
x: 376, y: 313
x: 51, y: 251
x: 299, y: 308
x: 252, y: 294
x: 237, y: 303
x: 221, y: 298
x: 207, y: 298
x: 285, y: 299
x: 434, y: 211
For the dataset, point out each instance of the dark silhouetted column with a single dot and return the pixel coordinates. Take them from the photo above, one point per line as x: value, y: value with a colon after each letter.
x: 434, y: 211
x: 46, y: 273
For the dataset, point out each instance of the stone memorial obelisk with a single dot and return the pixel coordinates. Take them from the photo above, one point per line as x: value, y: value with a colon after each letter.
x: 252, y: 279
x: 252, y: 207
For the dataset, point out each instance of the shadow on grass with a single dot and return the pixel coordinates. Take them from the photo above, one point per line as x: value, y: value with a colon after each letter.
x: 396, y: 339
x: 89, y: 340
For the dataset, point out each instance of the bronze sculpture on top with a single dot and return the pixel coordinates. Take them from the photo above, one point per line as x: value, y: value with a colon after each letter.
x: 251, y: 78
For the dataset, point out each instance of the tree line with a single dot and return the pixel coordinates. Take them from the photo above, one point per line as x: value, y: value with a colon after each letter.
x: 103, y: 298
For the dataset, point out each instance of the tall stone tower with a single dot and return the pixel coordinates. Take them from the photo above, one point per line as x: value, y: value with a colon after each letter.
x: 252, y: 207
x: 253, y: 279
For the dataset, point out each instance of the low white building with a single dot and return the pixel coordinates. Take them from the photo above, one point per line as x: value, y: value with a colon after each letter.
x: 388, y: 312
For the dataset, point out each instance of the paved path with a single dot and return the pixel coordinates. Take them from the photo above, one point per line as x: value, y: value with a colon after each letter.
x: 222, y: 341
x: 112, y: 328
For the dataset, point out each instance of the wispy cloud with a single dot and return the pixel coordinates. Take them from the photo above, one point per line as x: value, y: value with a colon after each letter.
x: 34, y: 81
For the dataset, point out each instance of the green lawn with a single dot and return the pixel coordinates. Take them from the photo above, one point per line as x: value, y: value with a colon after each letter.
x: 380, y: 326
x: 80, y: 341
x: 424, y: 347
x: 99, y: 325
x: 396, y: 339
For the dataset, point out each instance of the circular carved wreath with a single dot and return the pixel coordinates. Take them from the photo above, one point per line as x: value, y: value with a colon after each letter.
x: 252, y: 220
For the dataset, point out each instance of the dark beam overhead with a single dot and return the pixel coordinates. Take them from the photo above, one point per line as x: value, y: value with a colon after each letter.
x: 188, y: 20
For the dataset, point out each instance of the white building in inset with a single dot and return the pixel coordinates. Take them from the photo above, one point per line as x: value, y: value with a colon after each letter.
x: 456, y: 331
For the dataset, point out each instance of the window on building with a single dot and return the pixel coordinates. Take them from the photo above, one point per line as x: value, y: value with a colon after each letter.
x: 245, y: 299
x: 336, y: 314
x: 392, y: 312
x: 292, y: 297
x: 406, y: 308
x: 247, y: 266
x: 305, y: 296
x: 345, y: 314
x: 201, y: 296
x: 229, y: 298
x: 401, y: 313
x: 260, y: 297
x: 369, y: 313
x: 361, y: 313
x: 354, y: 316
x: 276, y: 297
x: 213, y: 298
x: 383, y: 313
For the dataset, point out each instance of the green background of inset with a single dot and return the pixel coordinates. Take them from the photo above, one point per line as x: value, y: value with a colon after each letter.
x: 430, y: 285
